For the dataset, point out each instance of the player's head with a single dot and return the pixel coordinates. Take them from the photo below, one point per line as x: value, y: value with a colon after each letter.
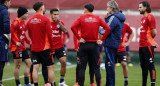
x: 88, y: 8
x: 39, y: 7
x: 112, y: 7
x: 144, y: 6
x: 6, y: 2
x: 22, y: 13
x: 54, y: 13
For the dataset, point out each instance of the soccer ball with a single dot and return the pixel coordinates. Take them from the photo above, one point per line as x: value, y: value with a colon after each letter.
x: 102, y: 66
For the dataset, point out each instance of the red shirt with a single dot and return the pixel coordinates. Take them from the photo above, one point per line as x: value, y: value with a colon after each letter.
x: 57, y: 35
x: 18, y: 35
x: 89, y: 25
x: 126, y: 29
x: 146, y: 23
x: 39, y: 30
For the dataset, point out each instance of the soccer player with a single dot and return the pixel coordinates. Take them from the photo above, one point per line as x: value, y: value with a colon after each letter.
x: 39, y: 30
x: 4, y: 34
x: 146, y: 51
x: 58, y: 27
x: 88, y: 50
x: 121, y: 52
x: 77, y: 44
x: 17, y: 45
x: 115, y: 20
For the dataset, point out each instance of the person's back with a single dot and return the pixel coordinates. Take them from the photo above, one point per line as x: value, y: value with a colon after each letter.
x: 37, y: 29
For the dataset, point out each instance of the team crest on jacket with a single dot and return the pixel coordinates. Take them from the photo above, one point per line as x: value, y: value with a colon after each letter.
x: 58, y: 26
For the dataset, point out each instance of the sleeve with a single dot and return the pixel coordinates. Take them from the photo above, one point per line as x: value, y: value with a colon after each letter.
x: 49, y: 33
x: 111, y: 22
x: 106, y: 28
x: 75, y: 27
x: 14, y: 37
x: 6, y: 22
x: 27, y: 40
x: 75, y: 42
x: 128, y: 29
x: 152, y: 22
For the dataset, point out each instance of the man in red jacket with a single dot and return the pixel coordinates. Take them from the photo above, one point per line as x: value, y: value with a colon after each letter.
x: 18, y: 38
x: 89, y: 41
x: 39, y: 29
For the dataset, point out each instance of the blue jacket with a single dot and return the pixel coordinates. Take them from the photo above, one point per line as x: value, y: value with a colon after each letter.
x: 4, y: 23
x: 116, y: 23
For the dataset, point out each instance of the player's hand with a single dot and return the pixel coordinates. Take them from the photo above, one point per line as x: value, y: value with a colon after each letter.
x: 99, y: 42
x: 18, y: 44
x: 125, y: 44
x: 76, y: 50
x: 82, y: 40
x: 53, y: 53
x: 106, y: 15
x: 57, y: 20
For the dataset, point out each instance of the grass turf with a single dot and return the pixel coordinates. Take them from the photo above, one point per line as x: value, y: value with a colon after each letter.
x: 135, y: 76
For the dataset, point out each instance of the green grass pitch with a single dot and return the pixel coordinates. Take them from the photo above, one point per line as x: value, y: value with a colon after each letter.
x: 135, y: 76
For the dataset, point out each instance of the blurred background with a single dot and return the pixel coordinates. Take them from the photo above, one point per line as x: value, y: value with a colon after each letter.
x: 70, y: 10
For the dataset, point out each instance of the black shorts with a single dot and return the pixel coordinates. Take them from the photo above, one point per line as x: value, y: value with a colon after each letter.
x: 44, y: 57
x: 60, y: 53
x: 120, y: 56
x: 20, y: 55
x: 146, y: 55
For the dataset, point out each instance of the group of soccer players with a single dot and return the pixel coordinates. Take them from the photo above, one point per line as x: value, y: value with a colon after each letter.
x: 46, y: 43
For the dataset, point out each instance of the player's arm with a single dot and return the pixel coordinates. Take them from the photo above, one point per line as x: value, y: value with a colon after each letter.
x: 153, y: 33
x: 106, y: 28
x: 63, y: 28
x: 75, y: 27
x: 129, y: 30
x: 152, y: 25
x: 14, y: 37
x: 27, y: 40
x: 49, y: 34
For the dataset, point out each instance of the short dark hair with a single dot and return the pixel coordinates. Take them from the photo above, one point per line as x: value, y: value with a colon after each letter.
x: 54, y: 9
x: 89, y: 7
x: 37, y: 6
x: 2, y: 1
x: 147, y: 5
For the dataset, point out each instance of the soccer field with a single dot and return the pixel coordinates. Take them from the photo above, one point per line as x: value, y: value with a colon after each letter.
x: 134, y: 76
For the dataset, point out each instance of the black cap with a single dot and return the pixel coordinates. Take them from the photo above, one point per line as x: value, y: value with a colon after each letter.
x: 21, y: 11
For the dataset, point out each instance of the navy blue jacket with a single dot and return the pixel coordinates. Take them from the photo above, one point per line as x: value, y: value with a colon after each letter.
x: 4, y: 23
x: 116, y: 23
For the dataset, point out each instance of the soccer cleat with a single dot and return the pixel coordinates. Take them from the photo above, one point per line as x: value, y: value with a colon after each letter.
x: 32, y: 85
x: 93, y: 84
x: 118, y: 64
x: 28, y: 84
x: 47, y: 84
x: 130, y: 65
x: 63, y: 84
x: 19, y: 85
x: 76, y: 84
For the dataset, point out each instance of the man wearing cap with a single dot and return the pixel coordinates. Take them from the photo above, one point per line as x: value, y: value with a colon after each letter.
x: 17, y: 46
x: 4, y: 34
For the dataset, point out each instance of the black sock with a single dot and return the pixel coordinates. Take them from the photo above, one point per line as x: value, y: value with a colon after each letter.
x: 62, y: 79
x: 17, y: 82
x: 152, y: 84
x: 35, y: 84
x: 26, y: 80
x: 126, y: 80
x: 0, y: 83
